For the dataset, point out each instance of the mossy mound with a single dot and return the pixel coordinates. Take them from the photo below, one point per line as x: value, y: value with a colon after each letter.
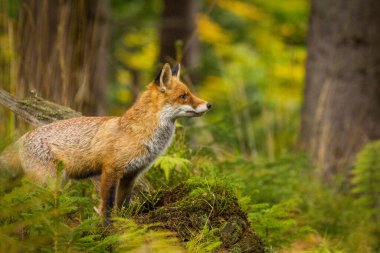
x: 191, y: 206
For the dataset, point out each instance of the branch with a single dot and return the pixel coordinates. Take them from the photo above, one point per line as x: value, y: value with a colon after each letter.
x: 36, y: 110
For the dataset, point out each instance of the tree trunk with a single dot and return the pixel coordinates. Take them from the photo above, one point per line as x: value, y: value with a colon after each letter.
x: 179, y: 24
x: 342, y: 94
x: 62, y: 52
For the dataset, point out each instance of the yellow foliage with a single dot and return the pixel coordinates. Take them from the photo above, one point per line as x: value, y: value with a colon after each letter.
x: 294, y: 73
x: 282, y: 96
x: 145, y: 238
x: 267, y: 41
x: 123, y: 77
x: 211, y: 32
x: 214, y: 88
x: 287, y: 78
x: 241, y: 9
x: 286, y: 30
x: 123, y: 96
x: 6, y: 51
x: 135, y: 39
x: 142, y: 59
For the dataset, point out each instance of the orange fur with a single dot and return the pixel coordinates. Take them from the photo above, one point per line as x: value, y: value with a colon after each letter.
x: 117, y: 148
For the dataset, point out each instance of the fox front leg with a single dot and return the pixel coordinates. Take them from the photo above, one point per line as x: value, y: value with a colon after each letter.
x: 125, y: 188
x: 108, y: 193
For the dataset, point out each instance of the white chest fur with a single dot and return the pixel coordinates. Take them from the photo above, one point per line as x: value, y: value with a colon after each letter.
x: 161, y: 139
x: 155, y: 146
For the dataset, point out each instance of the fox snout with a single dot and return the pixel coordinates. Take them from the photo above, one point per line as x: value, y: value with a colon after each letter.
x: 202, y: 108
x: 194, y: 106
x: 187, y: 110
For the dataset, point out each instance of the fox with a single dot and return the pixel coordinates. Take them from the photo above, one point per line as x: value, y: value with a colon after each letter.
x: 118, y: 149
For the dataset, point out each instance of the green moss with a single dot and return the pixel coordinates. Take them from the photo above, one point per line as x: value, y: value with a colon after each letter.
x: 189, y: 207
x: 46, y: 111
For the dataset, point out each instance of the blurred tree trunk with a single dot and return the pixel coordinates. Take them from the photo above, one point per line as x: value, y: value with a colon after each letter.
x: 178, y: 23
x: 7, y: 68
x: 342, y: 94
x: 62, y: 47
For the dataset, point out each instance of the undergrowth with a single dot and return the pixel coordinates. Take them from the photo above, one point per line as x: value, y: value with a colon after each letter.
x: 192, y: 201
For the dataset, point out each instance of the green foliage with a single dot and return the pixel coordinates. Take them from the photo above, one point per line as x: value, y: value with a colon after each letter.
x: 205, y: 214
x: 366, y: 185
x: 337, y: 216
x: 182, y: 162
x: 270, y: 181
x: 144, y: 201
x: 253, y: 51
x: 252, y: 70
x: 204, y: 242
x: 276, y: 183
x: 366, y: 176
x: 170, y: 163
x: 50, y: 219
x: 41, y: 218
x: 137, y: 238
x: 276, y: 224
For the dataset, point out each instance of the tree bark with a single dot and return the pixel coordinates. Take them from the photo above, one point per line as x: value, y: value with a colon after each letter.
x: 341, y: 109
x: 63, y: 52
x: 35, y: 110
x: 178, y: 23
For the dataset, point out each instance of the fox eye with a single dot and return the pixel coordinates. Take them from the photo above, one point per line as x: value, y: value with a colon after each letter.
x: 183, y: 96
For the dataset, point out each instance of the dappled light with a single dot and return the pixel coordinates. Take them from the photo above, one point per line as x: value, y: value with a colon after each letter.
x: 189, y: 126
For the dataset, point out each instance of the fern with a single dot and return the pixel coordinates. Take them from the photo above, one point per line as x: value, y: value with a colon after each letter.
x: 276, y: 224
x: 205, y: 241
x: 366, y: 186
x: 143, y: 238
x: 50, y: 219
x: 171, y: 163
x: 366, y: 176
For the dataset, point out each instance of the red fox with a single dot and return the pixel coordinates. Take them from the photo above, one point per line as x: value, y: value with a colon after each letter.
x: 117, y: 148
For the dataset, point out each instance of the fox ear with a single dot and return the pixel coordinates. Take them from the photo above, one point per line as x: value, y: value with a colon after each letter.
x: 176, y: 70
x: 164, y: 78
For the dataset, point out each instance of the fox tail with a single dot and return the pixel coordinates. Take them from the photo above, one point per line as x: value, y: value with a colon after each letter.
x: 10, y: 163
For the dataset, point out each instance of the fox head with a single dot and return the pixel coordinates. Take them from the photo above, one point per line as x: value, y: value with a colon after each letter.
x: 178, y: 101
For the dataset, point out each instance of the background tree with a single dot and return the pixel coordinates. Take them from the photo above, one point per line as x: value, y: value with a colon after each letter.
x: 134, y: 46
x: 7, y: 72
x: 178, y: 25
x: 62, y: 49
x: 342, y: 95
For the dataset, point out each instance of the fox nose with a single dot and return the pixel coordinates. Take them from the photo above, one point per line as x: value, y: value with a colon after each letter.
x: 209, y: 106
